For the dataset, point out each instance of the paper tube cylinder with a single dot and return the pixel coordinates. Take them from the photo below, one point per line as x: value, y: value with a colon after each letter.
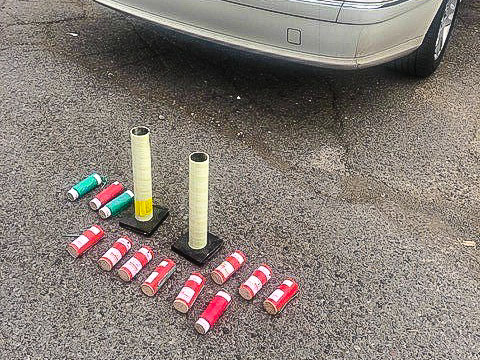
x: 198, y: 200
x: 142, y: 173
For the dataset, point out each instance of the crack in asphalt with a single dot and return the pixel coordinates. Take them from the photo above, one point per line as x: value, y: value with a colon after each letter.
x: 364, y: 188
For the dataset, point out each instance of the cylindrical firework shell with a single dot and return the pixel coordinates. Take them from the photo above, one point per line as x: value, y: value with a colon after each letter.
x: 136, y: 263
x: 85, y: 241
x: 225, y: 270
x: 106, y: 195
x: 255, y: 282
x: 84, y: 186
x: 189, y: 292
x: 142, y: 172
x: 281, y: 296
x: 198, y: 200
x: 214, y: 310
x: 158, y: 277
x: 117, y: 205
x: 115, y: 253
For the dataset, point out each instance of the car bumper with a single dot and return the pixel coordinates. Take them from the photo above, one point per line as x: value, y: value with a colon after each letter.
x: 334, y: 34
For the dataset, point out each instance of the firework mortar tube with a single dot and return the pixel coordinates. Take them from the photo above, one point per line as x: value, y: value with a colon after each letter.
x: 277, y: 300
x: 158, y: 277
x: 85, y: 241
x: 83, y: 187
x: 214, y: 310
x: 198, y: 200
x: 106, y: 195
x: 255, y: 282
x: 198, y: 245
x: 189, y: 293
x: 226, y: 269
x: 117, y: 205
x: 115, y: 253
x: 136, y: 263
x: 142, y: 173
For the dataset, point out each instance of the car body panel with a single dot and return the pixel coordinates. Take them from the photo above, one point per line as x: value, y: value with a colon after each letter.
x: 325, y: 10
x: 352, y: 13
x: 267, y: 28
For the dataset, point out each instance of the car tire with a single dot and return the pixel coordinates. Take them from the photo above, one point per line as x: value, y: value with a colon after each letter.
x: 424, y: 61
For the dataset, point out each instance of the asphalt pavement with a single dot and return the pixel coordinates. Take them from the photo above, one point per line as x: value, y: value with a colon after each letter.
x: 364, y: 186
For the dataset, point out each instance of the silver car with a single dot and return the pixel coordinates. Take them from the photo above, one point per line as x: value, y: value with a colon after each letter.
x: 411, y: 35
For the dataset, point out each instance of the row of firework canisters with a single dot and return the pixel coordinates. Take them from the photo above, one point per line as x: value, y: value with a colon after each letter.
x: 194, y: 284
x: 109, y: 202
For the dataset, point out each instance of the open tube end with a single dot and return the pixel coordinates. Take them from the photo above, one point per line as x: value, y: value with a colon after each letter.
x: 104, y: 264
x: 124, y: 275
x: 181, y: 306
x: 147, y: 290
x: 269, y: 307
x: 72, y: 251
x: 202, y: 326
x: 245, y: 293
x: 140, y: 131
x: 198, y: 157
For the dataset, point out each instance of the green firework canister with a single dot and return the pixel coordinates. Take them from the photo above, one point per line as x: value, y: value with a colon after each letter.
x: 84, y: 187
x: 117, y: 205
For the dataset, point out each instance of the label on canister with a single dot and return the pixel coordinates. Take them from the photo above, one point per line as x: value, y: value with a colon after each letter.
x: 147, y: 253
x: 126, y: 243
x: 114, y: 255
x: 239, y: 257
x: 80, y: 241
x: 254, y: 283
x: 225, y: 269
x: 152, y: 277
x: 266, y: 272
x: 133, y: 265
x: 95, y: 230
x: 196, y: 279
x: 186, y: 294
x: 276, y: 295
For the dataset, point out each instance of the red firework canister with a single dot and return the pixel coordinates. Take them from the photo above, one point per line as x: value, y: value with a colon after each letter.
x: 85, y: 241
x: 225, y: 270
x: 115, y: 253
x: 189, y: 293
x: 104, y: 196
x: 281, y: 296
x: 131, y: 268
x: 214, y: 310
x: 158, y: 277
x: 255, y: 282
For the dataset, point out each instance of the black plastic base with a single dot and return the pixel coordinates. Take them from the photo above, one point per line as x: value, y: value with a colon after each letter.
x: 146, y: 228
x: 198, y: 257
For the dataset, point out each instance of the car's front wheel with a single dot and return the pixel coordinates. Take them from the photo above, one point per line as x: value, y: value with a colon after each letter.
x: 425, y: 60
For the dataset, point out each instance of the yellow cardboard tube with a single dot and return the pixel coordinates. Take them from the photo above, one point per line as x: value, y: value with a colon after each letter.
x: 198, y: 200
x: 142, y: 172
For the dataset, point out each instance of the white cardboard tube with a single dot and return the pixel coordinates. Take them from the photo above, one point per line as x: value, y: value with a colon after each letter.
x: 142, y: 172
x: 198, y: 200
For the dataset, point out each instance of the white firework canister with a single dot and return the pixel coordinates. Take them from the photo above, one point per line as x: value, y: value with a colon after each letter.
x: 255, y: 282
x: 115, y: 253
x: 136, y: 263
x: 225, y: 270
x: 189, y: 293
